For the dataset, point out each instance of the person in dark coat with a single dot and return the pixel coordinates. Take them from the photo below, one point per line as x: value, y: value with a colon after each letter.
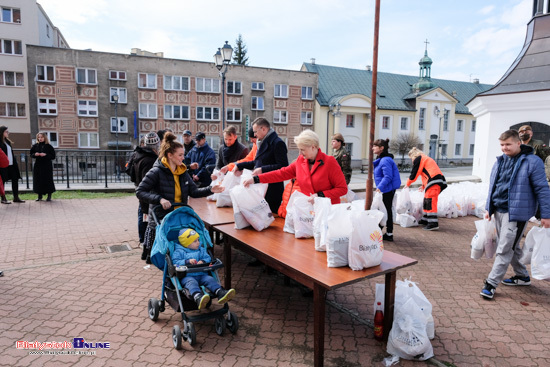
x: 166, y: 183
x: 271, y: 156
x: 201, y: 161
x: 342, y: 155
x: 232, y: 150
x: 188, y: 142
x: 12, y: 171
x: 42, y: 172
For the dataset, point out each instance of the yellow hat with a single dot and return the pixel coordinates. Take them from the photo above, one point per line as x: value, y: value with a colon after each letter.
x: 187, y: 236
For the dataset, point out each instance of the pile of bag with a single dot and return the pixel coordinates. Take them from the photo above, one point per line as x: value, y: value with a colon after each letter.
x: 485, y: 239
x: 536, y: 251
x: 405, y: 210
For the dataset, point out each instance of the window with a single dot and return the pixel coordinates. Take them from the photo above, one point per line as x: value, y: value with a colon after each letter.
x: 421, y: 117
x: 208, y: 85
x: 88, y: 140
x: 385, y: 122
x: 279, y: 117
x: 173, y: 82
x: 234, y: 114
x: 11, y: 109
x: 117, y: 75
x: 307, y: 92
x: 47, y: 106
x: 446, y: 121
x: 472, y: 149
x: 86, y: 76
x: 350, y: 120
x: 11, y: 47
x: 122, y: 125
x: 443, y: 150
x: 458, y: 149
x: 208, y: 113
x: 147, y: 111
x: 148, y: 81
x: 87, y: 108
x: 45, y: 73
x: 404, y: 123
x: 349, y: 148
x: 176, y: 112
x: 473, y: 125
x: 48, y: 30
x: 306, y: 118
x: 459, y: 125
x: 258, y: 86
x: 233, y: 87
x: 11, y: 79
x: 52, y: 137
x: 11, y: 15
x: 281, y: 91
x: 121, y: 92
x: 257, y: 103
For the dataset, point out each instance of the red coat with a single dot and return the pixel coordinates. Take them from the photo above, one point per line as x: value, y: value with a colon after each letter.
x: 4, y: 162
x: 325, y: 176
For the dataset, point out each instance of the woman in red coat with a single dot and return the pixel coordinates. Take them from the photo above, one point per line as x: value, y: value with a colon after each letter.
x: 317, y: 174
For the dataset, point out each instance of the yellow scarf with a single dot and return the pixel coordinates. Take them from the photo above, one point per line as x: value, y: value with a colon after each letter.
x: 180, y: 170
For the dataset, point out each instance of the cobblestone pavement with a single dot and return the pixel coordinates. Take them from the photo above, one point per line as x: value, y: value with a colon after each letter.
x: 60, y: 284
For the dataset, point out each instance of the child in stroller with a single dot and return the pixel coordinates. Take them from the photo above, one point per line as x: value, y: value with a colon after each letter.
x: 191, y: 253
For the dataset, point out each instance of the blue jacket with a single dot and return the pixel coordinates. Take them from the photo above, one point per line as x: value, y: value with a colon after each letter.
x: 206, y: 158
x: 182, y: 255
x: 528, y: 187
x: 386, y: 174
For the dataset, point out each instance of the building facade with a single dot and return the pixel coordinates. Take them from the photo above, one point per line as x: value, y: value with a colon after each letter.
x: 74, y: 102
x: 22, y: 22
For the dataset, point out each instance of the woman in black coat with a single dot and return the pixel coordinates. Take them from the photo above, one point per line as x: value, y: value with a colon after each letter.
x: 12, y: 171
x: 42, y: 172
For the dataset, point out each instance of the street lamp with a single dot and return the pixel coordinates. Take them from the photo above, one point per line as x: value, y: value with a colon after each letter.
x: 115, y: 100
x: 222, y: 58
x: 441, y: 116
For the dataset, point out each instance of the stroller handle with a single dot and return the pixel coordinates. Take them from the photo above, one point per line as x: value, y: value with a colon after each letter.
x: 154, y: 209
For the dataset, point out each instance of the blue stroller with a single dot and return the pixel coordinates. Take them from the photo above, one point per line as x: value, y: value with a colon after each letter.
x: 172, y: 292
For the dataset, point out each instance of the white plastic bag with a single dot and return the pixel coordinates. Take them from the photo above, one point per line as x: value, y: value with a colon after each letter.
x: 349, y: 197
x: 540, y: 262
x: 229, y: 181
x: 253, y: 207
x: 408, y: 338
x: 303, y: 217
x: 321, y: 207
x: 378, y: 204
x: 491, y: 239
x: 406, y: 220
x: 289, y: 219
x: 218, y: 180
x: 484, y: 240
x: 403, y: 204
x: 338, y: 232
x: 529, y: 244
x: 366, y: 247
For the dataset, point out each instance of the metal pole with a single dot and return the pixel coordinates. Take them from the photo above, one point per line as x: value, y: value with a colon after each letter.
x: 368, y: 198
x: 117, y: 168
x: 67, y: 165
x: 106, y: 170
x: 223, y: 98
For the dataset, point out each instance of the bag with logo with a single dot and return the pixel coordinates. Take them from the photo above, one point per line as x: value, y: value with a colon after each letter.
x: 365, y: 242
x: 289, y: 219
x: 321, y: 207
x: 540, y: 262
x: 338, y: 232
x: 303, y: 217
x: 253, y: 207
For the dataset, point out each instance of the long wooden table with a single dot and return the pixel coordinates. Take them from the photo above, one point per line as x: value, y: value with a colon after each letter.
x: 297, y: 259
x: 211, y: 215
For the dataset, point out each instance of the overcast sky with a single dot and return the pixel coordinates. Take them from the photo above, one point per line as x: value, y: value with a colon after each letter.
x: 467, y: 39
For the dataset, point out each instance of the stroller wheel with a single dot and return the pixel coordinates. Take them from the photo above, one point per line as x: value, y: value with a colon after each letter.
x: 191, y: 333
x: 220, y: 325
x: 153, y: 309
x: 232, y: 322
x: 176, y: 337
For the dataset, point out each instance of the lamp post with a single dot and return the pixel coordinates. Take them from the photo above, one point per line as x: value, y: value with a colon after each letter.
x: 222, y: 58
x: 117, y: 168
x: 441, y: 116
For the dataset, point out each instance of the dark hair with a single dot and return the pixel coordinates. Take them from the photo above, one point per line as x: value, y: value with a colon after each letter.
x: 509, y: 134
x: 2, y: 140
x: 161, y: 133
x: 383, y: 143
x: 261, y: 121
x: 169, y: 145
x: 230, y: 130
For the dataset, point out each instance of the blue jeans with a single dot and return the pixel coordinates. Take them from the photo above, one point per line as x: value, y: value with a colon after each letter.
x: 193, y: 283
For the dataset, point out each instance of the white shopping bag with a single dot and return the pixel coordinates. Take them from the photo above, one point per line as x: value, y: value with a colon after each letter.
x: 478, y: 241
x: 406, y: 220
x: 378, y: 204
x: 540, y: 262
x: 529, y: 244
x: 321, y: 207
x: 217, y: 181
x: 289, y: 219
x: 338, y: 232
x: 366, y: 247
x: 490, y: 239
x: 229, y: 181
x: 253, y: 207
x: 303, y: 216
x: 417, y: 204
x: 349, y: 197
x: 403, y: 204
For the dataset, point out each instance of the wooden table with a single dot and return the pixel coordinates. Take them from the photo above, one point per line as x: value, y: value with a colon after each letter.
x: 211, y: 215
x: 297, y: 259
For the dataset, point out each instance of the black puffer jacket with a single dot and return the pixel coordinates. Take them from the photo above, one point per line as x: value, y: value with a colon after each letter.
x: 143, y: 160
x: 159, y: 183
x: 231, y: 154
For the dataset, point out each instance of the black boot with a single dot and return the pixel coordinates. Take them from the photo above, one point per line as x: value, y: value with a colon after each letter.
x: 49, y: 197
x: 39, y: 197
x: 4, y: 200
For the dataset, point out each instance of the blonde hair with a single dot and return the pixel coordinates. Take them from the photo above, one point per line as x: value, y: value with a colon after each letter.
x: 307, y: 138
x: 415, y: 152
x: 46, y: 140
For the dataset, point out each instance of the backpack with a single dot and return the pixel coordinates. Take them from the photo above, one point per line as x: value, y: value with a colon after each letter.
x: 130, y: 169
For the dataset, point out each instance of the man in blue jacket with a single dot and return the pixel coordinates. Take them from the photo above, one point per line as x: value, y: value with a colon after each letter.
x: 201, y: 161
x: 517, y: 187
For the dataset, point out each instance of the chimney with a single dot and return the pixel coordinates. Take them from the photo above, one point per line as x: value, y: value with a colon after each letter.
x: 368, y: 68
x: 312, y: 61
x: 476, y: 81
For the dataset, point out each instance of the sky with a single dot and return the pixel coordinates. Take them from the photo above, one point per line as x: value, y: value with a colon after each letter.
x: 468, y: 39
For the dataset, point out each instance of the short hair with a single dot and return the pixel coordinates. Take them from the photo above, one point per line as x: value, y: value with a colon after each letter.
x: 46, y: 140
x: 383, y: 143
x: 509, y: 134
x: 261, y: 121
x: 415, y: 152
x: 307, y: 138
x: 169, y: 145
x: 230, y: 130
x: 526, y: 127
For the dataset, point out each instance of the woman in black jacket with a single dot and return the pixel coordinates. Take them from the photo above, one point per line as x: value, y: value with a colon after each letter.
x: 12, y: 171
x: 166, y: 183
x: 42, y: 172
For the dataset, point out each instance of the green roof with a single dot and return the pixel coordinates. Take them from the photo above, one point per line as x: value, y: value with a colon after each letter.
x: 393, y: 89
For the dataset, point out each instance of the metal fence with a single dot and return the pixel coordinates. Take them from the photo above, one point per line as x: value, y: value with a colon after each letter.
x: 80, y: 166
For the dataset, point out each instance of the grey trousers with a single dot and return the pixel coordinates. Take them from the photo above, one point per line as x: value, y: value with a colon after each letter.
x: 508, y: 250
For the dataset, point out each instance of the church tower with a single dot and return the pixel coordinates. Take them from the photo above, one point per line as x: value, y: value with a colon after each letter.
x: 424, y: 81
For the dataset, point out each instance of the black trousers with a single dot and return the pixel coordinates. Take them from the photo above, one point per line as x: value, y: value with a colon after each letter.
x: 387, y: 198
x: 13, y: 176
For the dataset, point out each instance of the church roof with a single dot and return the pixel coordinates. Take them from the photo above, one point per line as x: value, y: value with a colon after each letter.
x: 393, y: 90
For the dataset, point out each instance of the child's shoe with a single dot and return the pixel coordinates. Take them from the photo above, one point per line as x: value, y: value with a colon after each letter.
x: 488, y: 291
x: 225, y: 296
x: 201, y: 299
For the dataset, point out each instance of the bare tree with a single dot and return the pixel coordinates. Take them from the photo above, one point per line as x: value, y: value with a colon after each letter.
x: 403, y: 143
